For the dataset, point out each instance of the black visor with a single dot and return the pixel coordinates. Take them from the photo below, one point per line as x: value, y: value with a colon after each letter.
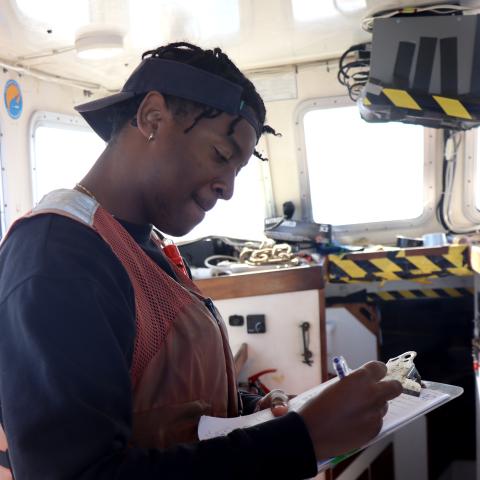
x: 170, y: 78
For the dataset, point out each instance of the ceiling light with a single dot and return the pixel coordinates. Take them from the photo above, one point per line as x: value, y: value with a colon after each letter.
x: 96, y: 43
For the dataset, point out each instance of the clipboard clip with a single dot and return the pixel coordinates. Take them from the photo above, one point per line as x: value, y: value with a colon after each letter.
x: 403, y: 369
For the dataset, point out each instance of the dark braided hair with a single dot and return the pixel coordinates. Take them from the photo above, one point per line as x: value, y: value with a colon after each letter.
x: 213, y: 61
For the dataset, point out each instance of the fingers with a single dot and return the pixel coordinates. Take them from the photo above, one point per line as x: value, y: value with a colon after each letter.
x: 279, y: 410
x: 383, y: 392
x: 278, y: 398
x: 390, y: 389
x: 277, y: 401
x: 376, y: 370
x: 376, y: 390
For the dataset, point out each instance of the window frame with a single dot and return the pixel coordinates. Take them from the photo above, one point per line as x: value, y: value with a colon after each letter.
x: 42, y: 118
x: 265, y: 169
x: 471, y: 158
x: 3, y: 188
x: 430, y: 152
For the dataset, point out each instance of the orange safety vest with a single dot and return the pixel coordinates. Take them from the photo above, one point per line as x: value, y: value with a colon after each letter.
x: 182, y: 366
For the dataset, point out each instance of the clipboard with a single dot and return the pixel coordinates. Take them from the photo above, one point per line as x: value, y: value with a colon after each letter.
x: 402, y: 410
x: 438, y: 394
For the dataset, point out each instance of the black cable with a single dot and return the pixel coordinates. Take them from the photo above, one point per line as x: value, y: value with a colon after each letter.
x: 440, y: 205
x: 354, y: 74
x: 439, y: 209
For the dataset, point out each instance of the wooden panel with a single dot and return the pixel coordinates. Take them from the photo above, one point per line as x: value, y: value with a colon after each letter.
x: 263, y: 283
x: 365, y: 314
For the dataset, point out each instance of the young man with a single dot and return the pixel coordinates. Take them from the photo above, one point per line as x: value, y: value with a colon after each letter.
x: 109, y: 354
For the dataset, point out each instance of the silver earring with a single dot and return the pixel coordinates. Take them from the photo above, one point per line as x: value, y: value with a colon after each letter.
x: 150, y: 137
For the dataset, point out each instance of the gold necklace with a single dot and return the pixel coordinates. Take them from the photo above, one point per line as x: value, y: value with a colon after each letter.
x: 85, y: 190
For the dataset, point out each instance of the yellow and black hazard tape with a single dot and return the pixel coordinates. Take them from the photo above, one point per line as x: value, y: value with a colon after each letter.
x: 419, y: 294
x: 452, y: 107
x: 461, y: 107
x: 407, y: 264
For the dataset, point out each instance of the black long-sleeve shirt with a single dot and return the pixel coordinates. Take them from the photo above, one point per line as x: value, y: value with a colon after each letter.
x: 67, y: 327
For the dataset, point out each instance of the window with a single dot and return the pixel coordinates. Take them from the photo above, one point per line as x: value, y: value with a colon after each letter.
x: 63, y: 150
x: 243, y: 215
x: 477, y: 172
x: 471, y: 186
x: 360, y: 172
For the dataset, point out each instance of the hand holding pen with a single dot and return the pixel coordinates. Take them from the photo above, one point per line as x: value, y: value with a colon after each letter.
x: 348, y: 413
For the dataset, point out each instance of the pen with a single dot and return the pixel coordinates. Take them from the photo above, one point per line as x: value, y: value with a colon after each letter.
x: 340, y: 366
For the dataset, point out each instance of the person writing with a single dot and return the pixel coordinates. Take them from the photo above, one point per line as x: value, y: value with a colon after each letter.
x: 109, y: 353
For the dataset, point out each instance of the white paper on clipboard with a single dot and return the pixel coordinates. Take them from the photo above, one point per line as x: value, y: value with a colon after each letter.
x: 401, y: 411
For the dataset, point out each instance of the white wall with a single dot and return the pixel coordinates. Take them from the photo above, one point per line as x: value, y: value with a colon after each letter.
x: 15, y: 141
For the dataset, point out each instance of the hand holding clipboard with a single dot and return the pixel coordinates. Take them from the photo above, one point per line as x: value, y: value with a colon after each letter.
x: 324, y: 402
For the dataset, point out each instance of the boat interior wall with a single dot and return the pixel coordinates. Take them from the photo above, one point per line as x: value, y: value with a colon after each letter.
x: 463, y: 210
x: 292, y: 59
x: 314, y: 82
x: 38, y: 95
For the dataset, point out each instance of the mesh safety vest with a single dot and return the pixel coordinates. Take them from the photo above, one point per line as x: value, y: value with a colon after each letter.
x: 182, y: 365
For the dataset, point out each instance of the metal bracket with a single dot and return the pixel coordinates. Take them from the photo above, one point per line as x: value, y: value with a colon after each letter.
x: 307, y: 354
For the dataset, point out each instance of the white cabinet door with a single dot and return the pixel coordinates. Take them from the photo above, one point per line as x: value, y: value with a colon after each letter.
x: 281, y: 346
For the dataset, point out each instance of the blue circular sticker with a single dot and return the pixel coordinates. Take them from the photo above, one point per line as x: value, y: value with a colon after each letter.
x: 13, y: 98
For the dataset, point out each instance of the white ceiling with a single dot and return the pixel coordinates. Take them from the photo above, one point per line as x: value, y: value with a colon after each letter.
x: 255, y: 33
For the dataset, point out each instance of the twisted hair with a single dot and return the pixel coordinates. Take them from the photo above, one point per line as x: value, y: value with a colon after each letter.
x: 213, y: 61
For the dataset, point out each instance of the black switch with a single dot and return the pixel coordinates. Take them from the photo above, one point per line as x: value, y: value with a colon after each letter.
x: 256, y: 324
x: 236, y: 320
